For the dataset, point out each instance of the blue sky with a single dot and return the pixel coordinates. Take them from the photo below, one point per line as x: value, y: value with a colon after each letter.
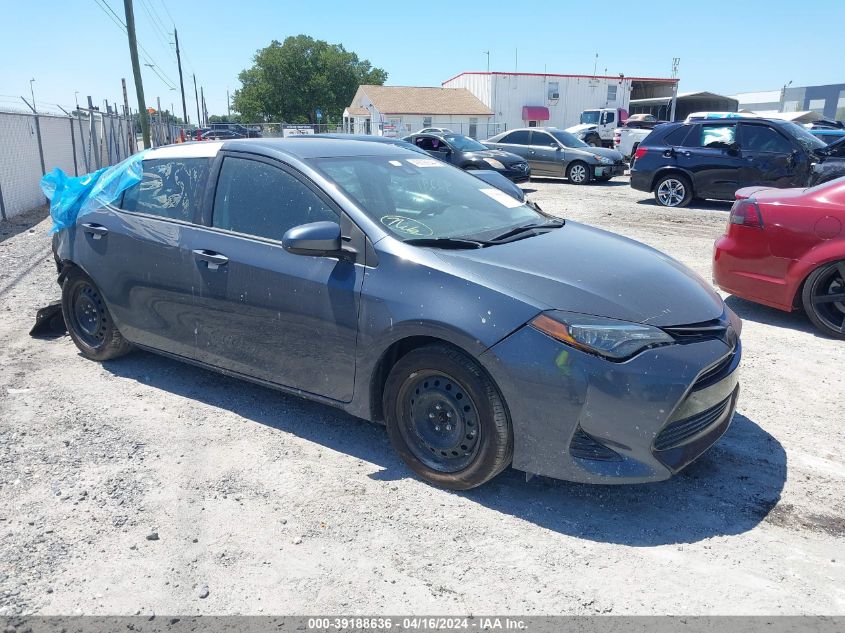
x: 725, y: 47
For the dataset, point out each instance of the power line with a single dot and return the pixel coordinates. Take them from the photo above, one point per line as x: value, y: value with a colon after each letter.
x: 114, y: 17
x: 155, y: 27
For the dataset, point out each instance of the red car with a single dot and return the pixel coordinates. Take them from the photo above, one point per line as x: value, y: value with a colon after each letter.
x: 785, y: 248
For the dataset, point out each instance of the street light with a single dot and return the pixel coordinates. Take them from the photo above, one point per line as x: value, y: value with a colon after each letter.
x: 32, y: 93
x: 783, y: 95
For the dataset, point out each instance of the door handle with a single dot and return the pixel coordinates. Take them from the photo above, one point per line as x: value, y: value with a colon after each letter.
x: 213, y: 260
x: 97, y: 230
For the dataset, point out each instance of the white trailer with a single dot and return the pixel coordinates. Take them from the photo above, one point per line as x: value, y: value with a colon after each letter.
x: 556, y: 100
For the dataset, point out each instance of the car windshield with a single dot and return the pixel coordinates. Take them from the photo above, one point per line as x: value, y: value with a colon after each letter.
x: 567, y: 139
x: 590, y: 116
x: 808, y: 141
x: 415, y: 197
x: 464, y: 143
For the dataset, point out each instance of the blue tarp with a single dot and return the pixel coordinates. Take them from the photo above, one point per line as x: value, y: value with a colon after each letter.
x: 71, y: 197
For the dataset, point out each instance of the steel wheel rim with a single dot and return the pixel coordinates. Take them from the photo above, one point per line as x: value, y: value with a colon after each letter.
x: 89, y: 315
x: 439, y: 421
x: 671, y: 192
x: 578, y: 173
x: 828, y: 296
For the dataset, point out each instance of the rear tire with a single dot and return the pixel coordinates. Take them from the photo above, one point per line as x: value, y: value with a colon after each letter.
x: 823, y: 298
x: 88, y: 320
x: 446, y: 418
x: 578, y: 173
x: 673, y: 191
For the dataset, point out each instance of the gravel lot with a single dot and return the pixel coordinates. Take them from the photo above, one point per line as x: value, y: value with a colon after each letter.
x: 145, y: 485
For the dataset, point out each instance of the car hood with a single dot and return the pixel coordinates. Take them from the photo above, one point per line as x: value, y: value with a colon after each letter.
x: 612, y: 154
x: 505, y: 157
x: 586, y: 270
x: 580, y: 128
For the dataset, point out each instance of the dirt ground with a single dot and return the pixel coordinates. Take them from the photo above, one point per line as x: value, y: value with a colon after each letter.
x: 143, y: 485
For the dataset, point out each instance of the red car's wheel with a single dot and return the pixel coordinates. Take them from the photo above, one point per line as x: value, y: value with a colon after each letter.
x: 824, y: 298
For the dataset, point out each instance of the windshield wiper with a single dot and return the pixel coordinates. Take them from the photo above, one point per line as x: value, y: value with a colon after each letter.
x: 446, y: 242
x: 551, y: 224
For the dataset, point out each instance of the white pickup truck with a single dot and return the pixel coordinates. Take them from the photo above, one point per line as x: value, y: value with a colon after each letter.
x: 626, y: 140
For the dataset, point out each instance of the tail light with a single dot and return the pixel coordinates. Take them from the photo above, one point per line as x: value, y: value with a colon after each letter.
x: 746, y: 213
x: 641, y: 151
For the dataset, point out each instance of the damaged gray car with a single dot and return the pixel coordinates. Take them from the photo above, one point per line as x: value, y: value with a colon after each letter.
x: 482, y: 332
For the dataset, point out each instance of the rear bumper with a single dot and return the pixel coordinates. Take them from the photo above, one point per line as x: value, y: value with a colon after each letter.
x: 641, y: 181
x: 734, y: 272
x: 581, y: 418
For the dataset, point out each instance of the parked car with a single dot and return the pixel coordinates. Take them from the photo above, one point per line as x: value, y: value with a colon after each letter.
x: 489, y: 176
x: 785, y: 248
x: 642, y: 121
x: 398, y: 288
x: 553, y: 152
x: 220, y: 134
x: 706, y: 158
x: 467, y: 153
x: 435, y: 130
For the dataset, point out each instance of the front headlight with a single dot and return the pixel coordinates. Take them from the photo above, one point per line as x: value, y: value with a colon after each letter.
x: 495, y: 164
x: 613, y: 339
x: 604, y: 160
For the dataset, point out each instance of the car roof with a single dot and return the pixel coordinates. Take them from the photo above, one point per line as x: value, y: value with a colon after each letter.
x: 317, y: 147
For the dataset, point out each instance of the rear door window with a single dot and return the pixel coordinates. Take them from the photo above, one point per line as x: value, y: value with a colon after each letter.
x: 256, y: 198
x: 676, y: 137
x: 716, y: 135
x: 543, y: 139
x: 762, y: 138
x: 519, y: 137
x: 169, y: 188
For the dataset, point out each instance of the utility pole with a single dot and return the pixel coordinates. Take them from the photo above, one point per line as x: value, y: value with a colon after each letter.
x: 136, y: 71
x: 197, y: 97
x: 488, y: 59
x: 181, y: 83
x: 130, y: 129
x: 228, y: 108
x: 204, y: 114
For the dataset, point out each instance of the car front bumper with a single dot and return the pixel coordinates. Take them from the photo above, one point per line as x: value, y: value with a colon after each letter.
x: 609, y: 171
x: 517, y: 174
x: 582, y: 418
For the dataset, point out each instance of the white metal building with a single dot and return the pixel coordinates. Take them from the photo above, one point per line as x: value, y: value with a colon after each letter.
x: 401, y: 110
x: 546, y: 99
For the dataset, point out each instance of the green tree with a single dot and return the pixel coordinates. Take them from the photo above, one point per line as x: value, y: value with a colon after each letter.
x: 290, y: 81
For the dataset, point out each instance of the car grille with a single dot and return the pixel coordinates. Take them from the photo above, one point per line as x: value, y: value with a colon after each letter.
x: 715, y: 373
x: 585, y: 447
x: 679, y: 432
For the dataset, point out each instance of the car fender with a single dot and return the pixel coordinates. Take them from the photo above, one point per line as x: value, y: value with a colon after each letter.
x: 662, y: 171
x: 823, y: 253
x: 435, y: 303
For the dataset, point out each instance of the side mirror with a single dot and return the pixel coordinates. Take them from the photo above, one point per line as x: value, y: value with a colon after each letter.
x: 733, y: 149
x: 315, y: 238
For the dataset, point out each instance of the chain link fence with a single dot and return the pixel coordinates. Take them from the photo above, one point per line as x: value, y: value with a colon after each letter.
x: 478, y: 131
x: 33, y: 144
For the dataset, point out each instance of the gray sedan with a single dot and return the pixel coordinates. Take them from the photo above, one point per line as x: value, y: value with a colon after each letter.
x: 365, y: 276
x: 554, y: 152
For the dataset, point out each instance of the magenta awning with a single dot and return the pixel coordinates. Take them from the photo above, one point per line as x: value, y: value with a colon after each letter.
x: 535, y: 113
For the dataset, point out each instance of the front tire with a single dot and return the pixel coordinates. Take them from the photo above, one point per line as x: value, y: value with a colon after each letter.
x: 578, y: 173
x: 823, y: 298
x: 673, y: 191
x: 88, y: 320
x: 446, y: 418
x: 593, y: 141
